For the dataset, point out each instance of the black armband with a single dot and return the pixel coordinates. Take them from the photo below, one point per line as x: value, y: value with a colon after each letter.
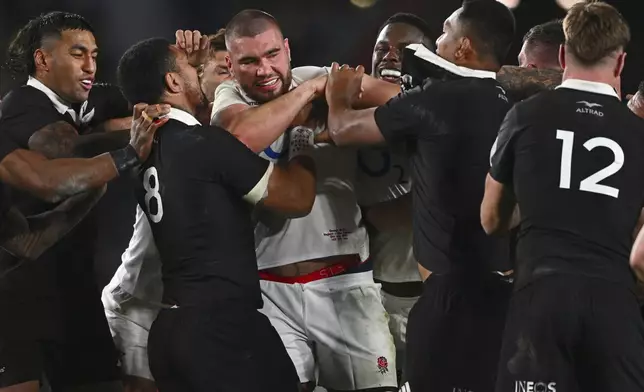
x: 125, y: 159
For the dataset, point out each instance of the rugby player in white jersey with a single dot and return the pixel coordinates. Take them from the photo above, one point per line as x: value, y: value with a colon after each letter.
x: 316, y: 278
x: 133, y: 297
x: 383, y: 189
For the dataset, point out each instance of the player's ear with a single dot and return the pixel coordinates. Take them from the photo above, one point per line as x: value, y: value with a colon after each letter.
x: 40, y: 60
x: 562, y: 56
x: 620, y: 64
x: 288, y: 48
x: 173, y: 83
x: 464, y: 49
x: 229, y: 64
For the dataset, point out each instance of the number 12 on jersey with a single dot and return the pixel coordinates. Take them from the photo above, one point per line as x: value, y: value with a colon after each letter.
x: 591, y: 183
x: 152, y: 192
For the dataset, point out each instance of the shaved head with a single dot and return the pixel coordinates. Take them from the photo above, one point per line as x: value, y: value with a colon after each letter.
x: 249, y: 23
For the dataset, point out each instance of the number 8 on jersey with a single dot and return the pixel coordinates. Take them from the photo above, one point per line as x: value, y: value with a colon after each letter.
x: 151, y: 186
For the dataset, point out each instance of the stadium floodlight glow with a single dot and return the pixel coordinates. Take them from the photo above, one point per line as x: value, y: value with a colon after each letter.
x: 567, y: 4
x: 363, y: 3
x: 511, y: 4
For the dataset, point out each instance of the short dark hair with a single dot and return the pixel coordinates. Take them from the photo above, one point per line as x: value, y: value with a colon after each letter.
x: 550, y: 33
x: 594, y: 30
x: 142, y: 69
x: 491, y: 27
x: 20, y: 55
x: 217, y: 41
x: 410, y: 19
x: 249, y: 23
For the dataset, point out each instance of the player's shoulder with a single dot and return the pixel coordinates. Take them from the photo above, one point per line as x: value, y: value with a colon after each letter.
x: 308, y: 72
x: 25, y: 98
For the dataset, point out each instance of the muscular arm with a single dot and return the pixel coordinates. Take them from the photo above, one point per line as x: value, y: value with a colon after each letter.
x: 521, y: 83
x: 29, y: 237
x: 498, y: 207
x: 258, y: 127
x: 60, y: 140
x: 354, y: 127
x: 376, y: 92
x: 54, y: 180
x: 292, y: 189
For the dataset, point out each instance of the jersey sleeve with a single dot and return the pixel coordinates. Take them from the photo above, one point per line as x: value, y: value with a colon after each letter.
x: 226, y: 95
x: 23, y: 113
x: 411, y: 114
x: 232, y: 164
x: 503, y: 150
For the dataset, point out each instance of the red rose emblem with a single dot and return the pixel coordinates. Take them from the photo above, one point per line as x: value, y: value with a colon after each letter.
x: 383, y: 365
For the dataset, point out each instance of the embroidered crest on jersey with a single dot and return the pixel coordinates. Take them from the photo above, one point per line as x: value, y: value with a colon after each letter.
x: 383, y: 365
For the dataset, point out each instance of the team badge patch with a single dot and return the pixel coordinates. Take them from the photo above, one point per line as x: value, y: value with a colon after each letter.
x: 383, y: 365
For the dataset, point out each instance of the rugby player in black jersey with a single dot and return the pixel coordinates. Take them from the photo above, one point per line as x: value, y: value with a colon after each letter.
x: 54, y: 180
x: 454, y: 330
x: 58, y: 324
x: 197, y: 189
x: 571, y: 160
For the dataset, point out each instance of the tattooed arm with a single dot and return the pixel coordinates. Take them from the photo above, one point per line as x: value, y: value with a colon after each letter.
x: 56, y: 179
x: 521, y: 83
x: 60, y: 140
x: 29, y: 237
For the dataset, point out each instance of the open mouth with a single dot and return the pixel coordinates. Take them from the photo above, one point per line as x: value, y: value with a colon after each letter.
x: 268, y: 84
x: 87, y: 84
x: 391, y: 75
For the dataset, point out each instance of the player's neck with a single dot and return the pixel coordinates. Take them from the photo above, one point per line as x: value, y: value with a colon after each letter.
x: 45, y: 79
x: 589, y: 74
x: 180, y: 104
x: 481, y: 65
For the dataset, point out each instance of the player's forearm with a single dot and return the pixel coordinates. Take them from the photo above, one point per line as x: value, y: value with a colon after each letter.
x: 521, y: 83
x: 258, y: 127
x: 87, y: 146
x: 292, y: 189
x: 353, y: 127
x: 60, y: 140
x: 54, y: 180
x: 44, y: 230
x: 376, y: 92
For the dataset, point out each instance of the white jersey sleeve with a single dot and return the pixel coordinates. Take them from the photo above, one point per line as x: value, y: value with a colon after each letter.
x: 228, y: 93
x: 139, y: 274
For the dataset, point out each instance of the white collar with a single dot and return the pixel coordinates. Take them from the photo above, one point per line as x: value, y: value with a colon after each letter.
x: 423, y: 53
x: 60, y: 105
x: 183, y: 116
x: 588, y: 86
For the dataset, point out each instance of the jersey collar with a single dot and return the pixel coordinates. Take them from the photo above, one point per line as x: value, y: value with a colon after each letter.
x: 588, y: 86
x: 183, y: 116
x: 423, y: 53
x: 60, y: 105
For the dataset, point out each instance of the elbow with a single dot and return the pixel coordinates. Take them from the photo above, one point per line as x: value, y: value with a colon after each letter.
x: 491, y: 224
x: 246, y: 137
x: 637, y: 262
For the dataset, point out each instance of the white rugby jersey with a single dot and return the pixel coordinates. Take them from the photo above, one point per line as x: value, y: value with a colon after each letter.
x: 334, y: 225
x: 139, y: 274
x: 383, y: 175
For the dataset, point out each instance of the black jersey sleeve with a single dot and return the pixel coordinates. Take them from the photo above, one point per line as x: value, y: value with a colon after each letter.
x: 413, y: 113
x: 503, y: 150
x: 224, y: 159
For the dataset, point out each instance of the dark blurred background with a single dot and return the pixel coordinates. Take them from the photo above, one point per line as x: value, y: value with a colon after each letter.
x: 319, y: 32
